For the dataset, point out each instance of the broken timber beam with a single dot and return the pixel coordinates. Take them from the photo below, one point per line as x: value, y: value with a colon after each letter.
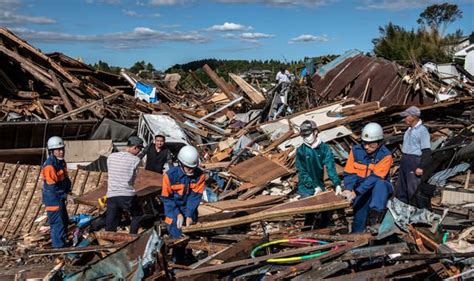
x: 88, y: 106
x: 255, y: 96
x: 75, y: 250
x: 218, y: 81
x: 62, y: 93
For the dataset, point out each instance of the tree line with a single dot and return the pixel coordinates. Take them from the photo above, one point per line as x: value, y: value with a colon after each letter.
x: 428, y: 42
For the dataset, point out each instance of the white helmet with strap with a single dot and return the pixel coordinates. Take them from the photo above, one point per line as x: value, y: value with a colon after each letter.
x: 189, y: 156
x: 55, y: 143
x: 372, y: 132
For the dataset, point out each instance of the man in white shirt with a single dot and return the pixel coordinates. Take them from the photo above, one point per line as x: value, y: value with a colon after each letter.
x: 121, y: 197
x: 283, y: 76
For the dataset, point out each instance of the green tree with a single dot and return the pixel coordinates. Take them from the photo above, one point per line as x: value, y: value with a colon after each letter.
x: 439, y: 16
x: 424, y: 44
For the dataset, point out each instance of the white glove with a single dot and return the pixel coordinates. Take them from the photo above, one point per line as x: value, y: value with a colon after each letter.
x: 179, y: 221
x: 317, y: 190
x: 338, y: 190
x: 349, y: 195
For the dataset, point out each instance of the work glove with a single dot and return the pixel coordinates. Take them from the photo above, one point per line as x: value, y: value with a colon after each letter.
x: 179, y: 221
x: 338, y: 190
x: 189, y: 221
x: 317, y: 190
x: 349, y: 195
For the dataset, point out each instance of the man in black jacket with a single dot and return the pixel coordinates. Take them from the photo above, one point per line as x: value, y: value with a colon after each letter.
x: 160, y: 153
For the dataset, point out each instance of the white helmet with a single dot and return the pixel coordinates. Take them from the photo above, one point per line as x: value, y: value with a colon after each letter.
x: 372, y: 132
x: 55, y: 143
x: 189, y: 156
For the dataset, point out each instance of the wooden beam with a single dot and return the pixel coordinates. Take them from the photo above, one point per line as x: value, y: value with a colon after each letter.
x: 75, y: 250
x: 255, y: 96
x: 62, y: 93
x: 88, y: 106
x: 257, y: 260
x: 218, y: 81
x: 275, y: 212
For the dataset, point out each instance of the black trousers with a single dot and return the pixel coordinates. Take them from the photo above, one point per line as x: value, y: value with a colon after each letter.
x: 116, y: 206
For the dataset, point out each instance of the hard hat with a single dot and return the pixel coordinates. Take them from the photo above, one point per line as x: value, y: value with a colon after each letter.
x: 55, y: 143
x: 307, y: 127
x: 372, y: 132
x: 188, y: 156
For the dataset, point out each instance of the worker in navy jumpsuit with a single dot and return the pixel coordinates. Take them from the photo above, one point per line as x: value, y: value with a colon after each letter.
x: 367, y: 178
x: 56, y: 186
x: 182, y: 191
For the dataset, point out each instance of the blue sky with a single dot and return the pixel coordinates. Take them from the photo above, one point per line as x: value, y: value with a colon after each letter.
x: 165, y: 32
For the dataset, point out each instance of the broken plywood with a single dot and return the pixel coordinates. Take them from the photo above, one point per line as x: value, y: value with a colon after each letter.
x: 259, y: 170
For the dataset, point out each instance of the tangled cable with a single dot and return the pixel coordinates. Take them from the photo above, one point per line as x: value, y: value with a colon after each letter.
x: 294, y: 241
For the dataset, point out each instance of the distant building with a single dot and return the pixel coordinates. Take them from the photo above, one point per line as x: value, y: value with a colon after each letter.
x: 254, y: 75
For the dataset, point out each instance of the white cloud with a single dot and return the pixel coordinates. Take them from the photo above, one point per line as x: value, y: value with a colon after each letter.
x: 168, y: 2
x: 229, y: 26
x: 138, y: 37
x: 305, y: 38
x: 9, y: 15
x: 131, y: 13
x: 308, y: 3
x: 395, y: 5
x: 252, y: 37
x: 255, y: 35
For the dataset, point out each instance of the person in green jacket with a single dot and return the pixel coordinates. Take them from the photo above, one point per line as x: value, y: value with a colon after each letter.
x: 311, y: 159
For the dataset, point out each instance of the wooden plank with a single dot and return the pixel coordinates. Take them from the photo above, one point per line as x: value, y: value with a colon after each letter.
x: 233, y: 204
x: 325, y: 201
x: 26, y: 199
x: 379, y: 273
x: 306, y: 265
x: 88, y: 106
x: 259, y: 170
x: 146, y: 183
x: 255, y: 96
x: 370, y: 106
x: 257, y: 260
x: 218, y: 81
x: 8, y: 175
x: 62, y: 93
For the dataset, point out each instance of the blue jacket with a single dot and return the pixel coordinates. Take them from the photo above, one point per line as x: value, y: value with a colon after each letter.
x: 363, y: 170
x: 56, y: 183
x: 181, y: 194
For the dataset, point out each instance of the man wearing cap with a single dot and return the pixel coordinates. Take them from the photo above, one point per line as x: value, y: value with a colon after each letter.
x: 311, y: 159
x: 367, y: 178
x: 160, y: 153
x: 122, y: 171
x: 416, y: 155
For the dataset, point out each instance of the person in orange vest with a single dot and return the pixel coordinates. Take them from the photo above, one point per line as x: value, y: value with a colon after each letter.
x: 182, y: 191
x: 56, y: 186
x: 367, y: 178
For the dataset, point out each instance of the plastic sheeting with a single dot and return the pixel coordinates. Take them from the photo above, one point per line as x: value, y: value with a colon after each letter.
x: 439, y: 179
x: 150, y: 125
x: 121, y: 264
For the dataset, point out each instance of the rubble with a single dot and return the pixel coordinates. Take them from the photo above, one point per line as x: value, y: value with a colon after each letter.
x: 250, y: 223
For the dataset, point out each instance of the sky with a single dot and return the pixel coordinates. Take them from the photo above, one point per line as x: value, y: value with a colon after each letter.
x: 168, y: 32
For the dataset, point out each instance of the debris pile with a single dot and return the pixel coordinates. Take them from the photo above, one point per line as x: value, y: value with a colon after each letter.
x: 251, y: 221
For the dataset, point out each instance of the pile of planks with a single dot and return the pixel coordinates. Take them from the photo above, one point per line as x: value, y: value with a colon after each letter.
x: 37, y: 86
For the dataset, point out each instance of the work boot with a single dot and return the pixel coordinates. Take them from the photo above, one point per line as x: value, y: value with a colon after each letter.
x: 374, y: 219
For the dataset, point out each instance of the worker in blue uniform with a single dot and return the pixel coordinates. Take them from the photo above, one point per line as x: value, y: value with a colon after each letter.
x: 56, y: 186
x: 367, y: 178
x: 182, y: 191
